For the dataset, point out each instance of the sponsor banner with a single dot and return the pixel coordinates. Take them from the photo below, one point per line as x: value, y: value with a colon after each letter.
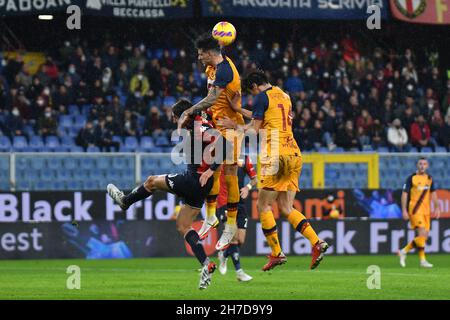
x: 128, y: 239
x: 144, y: 9
x: 20, y: 7
x: 422, y: 11
x: 66, y: 206
x: 293, y: 9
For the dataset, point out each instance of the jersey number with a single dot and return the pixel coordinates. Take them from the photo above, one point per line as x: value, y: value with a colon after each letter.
x: 289, y: 117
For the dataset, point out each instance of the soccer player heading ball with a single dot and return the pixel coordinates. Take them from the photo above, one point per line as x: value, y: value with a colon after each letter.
x: 223, y: 84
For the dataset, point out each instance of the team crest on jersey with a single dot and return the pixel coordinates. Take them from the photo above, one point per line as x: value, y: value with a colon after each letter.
x: 411, y: 8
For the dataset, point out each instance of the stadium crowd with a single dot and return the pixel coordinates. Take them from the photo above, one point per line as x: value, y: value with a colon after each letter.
x: 342, y: 97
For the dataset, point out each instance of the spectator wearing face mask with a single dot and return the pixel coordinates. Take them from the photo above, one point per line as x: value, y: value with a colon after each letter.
x: 397, y: 137
x: 47, y: 124
x: 13, y: 123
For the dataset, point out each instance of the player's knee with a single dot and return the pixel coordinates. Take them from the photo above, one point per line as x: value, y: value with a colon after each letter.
x: 284, y: 210
x: 182, y: 227
x: 149, y: 183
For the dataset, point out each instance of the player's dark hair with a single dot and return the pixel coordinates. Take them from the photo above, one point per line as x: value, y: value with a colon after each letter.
x: 181, y: 106
x: 422, y: 158
x: 257, y: 77
x: 206, y: 42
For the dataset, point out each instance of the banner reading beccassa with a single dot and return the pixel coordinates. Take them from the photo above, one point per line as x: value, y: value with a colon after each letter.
x: 293, y: 9
x: 143, y: 9
x: 422, y: 11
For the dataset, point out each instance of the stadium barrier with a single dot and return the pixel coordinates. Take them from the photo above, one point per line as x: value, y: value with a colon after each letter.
x: 128, y: 239
x: 92, y: 171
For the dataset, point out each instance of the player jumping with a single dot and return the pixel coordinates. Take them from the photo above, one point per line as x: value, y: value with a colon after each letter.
x: 193, y: 186
x: 280, y: 169
x: 416, y: 208
x: 245, y: 168
x: 223, y: 84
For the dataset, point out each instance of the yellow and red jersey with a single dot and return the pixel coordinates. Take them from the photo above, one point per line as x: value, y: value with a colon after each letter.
x: 225, y: 76
x: 273, y: 106
x: 419, y: 188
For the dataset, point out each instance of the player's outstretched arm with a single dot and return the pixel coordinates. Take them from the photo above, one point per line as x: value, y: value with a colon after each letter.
x: 234, y: 104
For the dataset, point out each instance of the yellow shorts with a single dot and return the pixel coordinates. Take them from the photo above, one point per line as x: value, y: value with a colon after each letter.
x: 419, y: 220
x: 281, y: 173
x: 234, y: 138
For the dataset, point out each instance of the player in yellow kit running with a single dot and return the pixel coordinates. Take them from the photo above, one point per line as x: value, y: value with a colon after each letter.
x: 223, y: 84
x: 418, y: 191
x: 281, y: 163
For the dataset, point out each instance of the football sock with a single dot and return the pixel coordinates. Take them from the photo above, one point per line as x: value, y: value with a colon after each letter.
x: 193, y: 239
x: 269, y: 228
x: 233, y: 198
x: 420, y: 245
x: 233, y: 251
x: 211, y: 204
x: 301, y: 224
x: 409, y: 247
x: 139, y: 193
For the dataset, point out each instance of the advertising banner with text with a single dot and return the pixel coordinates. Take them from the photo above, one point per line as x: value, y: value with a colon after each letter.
x: 293, y: 9
x: 67, y: 206
x: 132, y: 239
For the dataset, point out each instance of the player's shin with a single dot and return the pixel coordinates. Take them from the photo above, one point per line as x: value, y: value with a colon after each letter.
x: 193, y: 239
x: 420, y: 242
x: 139, y: 193
x: 233, y: 198
x: 301, y: 224
x: 269, y: 228
x: 233, y: 252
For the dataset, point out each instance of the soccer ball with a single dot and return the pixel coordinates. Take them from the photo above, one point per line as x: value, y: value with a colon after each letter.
x: 224, y: 32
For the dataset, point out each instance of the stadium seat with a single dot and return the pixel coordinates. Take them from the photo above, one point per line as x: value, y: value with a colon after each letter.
x: 76, y: 149
x: 36, y: 143
x: 383, y: 149
x: 85, y: 109
x: 441, y: 149
x: 5, y: 144
x: 158, y: 53
x: 52, y: 142
x: 20, y: 143
x: 92, y: 149
x: 73, y: 109
x: 79, y: 121
x: 23, y: 185
x: 426, y: 150
x: 103, y: 163
x: 65, y: 121
x: 162, y: 141
x: 67, y: 142
x: 38, y: 163
x: 131, y: 143
x: 146, y: 144
x: 87, y: 163
x: 169, y: 101
x: 74, y: 185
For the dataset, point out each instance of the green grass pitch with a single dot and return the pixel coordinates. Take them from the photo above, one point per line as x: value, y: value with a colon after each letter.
x: 338, y: 277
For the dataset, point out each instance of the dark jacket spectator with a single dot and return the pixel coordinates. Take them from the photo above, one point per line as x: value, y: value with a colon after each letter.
x: 104, y: 137
x: 47, y: 124
x: 346, y: 136
x: 13, y: 123
x: 86, y: 137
